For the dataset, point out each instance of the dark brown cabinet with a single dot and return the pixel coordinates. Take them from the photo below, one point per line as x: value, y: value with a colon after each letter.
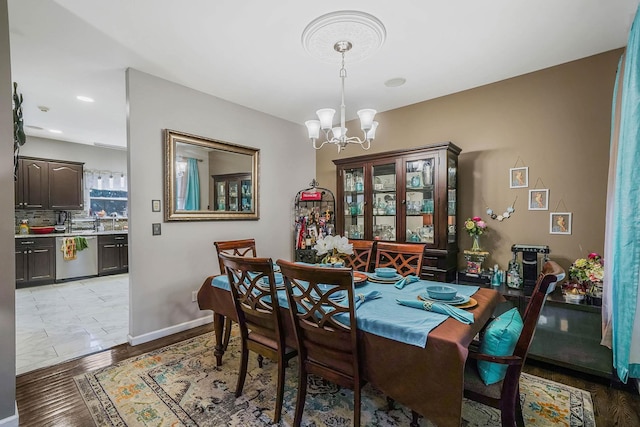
x: 65, y: 186
x: 49, y: 184
x: 232, y: 192
x: 407, y: 196
x: 113, y: 254
x: 35, y: 261
x: 32, y: 185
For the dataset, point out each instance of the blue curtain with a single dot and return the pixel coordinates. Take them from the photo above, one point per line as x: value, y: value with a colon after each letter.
x: 621, y: 325
x: 192, y: 195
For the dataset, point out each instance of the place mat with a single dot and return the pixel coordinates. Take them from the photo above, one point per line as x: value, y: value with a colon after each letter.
x: 470, y: 304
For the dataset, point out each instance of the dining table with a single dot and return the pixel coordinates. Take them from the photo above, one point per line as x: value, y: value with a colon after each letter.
x: 413, y: 356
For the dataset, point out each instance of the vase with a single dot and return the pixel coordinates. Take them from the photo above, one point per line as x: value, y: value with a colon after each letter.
x: 475, y: 247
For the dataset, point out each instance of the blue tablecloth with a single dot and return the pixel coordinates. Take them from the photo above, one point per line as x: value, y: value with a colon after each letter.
x: 383, y: 316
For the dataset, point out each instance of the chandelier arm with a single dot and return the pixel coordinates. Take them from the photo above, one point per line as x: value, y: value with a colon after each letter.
x: 313, y: 140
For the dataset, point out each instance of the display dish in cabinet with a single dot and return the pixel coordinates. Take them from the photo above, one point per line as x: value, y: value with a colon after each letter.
x: 407, y: 196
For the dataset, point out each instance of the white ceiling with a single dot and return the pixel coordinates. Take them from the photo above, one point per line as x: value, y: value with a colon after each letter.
x: 250, y: 52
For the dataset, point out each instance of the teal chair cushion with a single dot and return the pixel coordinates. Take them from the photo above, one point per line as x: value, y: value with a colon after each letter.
x: 499, y: 339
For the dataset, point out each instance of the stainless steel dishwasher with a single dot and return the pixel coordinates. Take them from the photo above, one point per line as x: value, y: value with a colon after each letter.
x: 85, y: 264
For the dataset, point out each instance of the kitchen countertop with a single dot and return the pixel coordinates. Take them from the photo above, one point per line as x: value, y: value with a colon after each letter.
x: 74, y: 233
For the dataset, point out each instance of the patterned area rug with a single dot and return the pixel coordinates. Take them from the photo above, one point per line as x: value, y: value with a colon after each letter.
x: 180, y: 385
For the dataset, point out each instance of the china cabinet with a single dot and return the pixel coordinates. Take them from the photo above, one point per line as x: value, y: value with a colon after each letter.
x: 232, y: 192
x: 314, y: 214
x: 407, y: 196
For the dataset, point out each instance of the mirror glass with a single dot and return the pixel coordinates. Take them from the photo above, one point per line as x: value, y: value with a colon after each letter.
x: 207, y: 179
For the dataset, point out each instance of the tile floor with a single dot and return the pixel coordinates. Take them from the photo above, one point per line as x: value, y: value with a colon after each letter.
x: 63, y: 321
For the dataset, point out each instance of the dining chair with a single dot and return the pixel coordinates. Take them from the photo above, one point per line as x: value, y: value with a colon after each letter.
x: 242, y: 247
x: 505, y: 394
x: 323, y: 315
x: 406, y: 258
x: 363, y: 251
x: 253, y: 287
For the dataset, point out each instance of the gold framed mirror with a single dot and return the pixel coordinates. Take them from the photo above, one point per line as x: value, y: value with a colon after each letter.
x: 206, y: 179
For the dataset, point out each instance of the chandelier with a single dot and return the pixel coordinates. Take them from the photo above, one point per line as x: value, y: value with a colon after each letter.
x: 343, y: 30
x: 338, y: 135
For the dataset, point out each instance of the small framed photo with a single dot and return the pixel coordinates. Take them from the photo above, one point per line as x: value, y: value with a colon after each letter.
x: 560, y: 223
x: 519, y: 177
x: 155, y: 206
x: 539, y: 199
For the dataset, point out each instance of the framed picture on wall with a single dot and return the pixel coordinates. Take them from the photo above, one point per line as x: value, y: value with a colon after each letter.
x: 560, y: 223
x: 539, y: 199
x: 519, y: 177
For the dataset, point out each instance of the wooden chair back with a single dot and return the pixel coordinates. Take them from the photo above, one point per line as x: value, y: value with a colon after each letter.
x: 325, y: 331
x: 406, y: 258
x: 243, y: 248
x: 253, y: 285
x: 362, y: 255
x: 505, y: 395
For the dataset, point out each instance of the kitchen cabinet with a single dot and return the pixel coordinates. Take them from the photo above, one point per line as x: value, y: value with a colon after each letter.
x: 407, y: 196
x: 35, y: 261
x: 65, y: 186
x: 232, y: 192
x: 49, y: 184
x: 32, y: 185
x: 113, y: 254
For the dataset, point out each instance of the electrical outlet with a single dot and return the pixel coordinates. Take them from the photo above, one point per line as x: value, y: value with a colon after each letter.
x: 194, y: 296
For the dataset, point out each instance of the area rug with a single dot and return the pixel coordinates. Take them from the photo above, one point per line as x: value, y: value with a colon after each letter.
x: 180, y: 385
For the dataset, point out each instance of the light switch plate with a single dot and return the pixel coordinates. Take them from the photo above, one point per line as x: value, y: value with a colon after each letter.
x: 155, y: 229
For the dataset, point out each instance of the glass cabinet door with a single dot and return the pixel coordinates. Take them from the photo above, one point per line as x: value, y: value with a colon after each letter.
x: 385, y: 203
x: 354, y: 202
x: 221, y: 203
x: 245, y: 204
x: 419, y: 200
x: 452, y: 208
x: 233, y: 195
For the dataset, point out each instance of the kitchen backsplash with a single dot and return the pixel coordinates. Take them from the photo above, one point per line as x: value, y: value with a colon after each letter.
x: 78, y: 220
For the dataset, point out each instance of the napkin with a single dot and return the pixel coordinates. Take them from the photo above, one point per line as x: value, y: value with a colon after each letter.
x: 437, y: 307
x: 406, y: 280
x: 361, y: 298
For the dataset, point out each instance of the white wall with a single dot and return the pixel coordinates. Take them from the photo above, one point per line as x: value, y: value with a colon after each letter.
x: 8, y: 415
x: 164, y: 270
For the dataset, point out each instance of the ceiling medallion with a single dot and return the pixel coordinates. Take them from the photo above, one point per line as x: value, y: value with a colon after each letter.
x: 365, y: 33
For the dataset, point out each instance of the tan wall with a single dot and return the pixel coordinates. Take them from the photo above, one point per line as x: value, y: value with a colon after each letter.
x: 555, y: 121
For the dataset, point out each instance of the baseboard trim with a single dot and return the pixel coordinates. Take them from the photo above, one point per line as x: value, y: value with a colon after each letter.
x: 161, y: 333
x: 12, y: 421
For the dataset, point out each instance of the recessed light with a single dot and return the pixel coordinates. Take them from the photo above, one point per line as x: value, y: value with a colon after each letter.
x: 43, y: 108
x: 84, y: 98
x: 398, y: 81
x: 55, y: 131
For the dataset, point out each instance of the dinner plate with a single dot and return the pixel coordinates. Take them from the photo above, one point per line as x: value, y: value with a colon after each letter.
x: 457, y: 300
x: 469, y: 304
x: 359, y: 278
x: 335, y: 297
x: 375, y: 278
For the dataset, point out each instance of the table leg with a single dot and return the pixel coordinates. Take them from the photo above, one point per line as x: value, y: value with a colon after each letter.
x: 218, y: 326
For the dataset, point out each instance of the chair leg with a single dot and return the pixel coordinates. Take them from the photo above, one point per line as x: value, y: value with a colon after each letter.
x: 508, y: 412
x: 280, y: 389
x: 391, y: 404
x: 260, y: 359
x: 356, y: 405
x: 227, y: 333
x: 414, y: 419
x: 302, y: 394
x: 244, y: 359
x: 519, y: 417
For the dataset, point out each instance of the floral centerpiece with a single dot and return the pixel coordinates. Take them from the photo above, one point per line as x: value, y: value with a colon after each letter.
x: 585, y: 276
x: 475, y: 227
x: 334, y: 248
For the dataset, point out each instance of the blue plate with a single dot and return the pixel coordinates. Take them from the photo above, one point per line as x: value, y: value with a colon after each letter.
x: 457, y: 300
x: 278, y: 276
x: 391, y: 279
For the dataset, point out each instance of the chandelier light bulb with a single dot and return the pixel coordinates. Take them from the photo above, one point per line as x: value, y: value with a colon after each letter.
x: 366, y: 118
x: 337, y: 132
x: 326, y: 117
x: 371, y: 133
x: 313, y: 127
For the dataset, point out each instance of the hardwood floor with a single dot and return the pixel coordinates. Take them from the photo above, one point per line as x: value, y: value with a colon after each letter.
x: 49, y: 396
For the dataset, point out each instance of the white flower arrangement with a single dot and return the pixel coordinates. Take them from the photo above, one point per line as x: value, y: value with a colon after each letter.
x: 334, y: 247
